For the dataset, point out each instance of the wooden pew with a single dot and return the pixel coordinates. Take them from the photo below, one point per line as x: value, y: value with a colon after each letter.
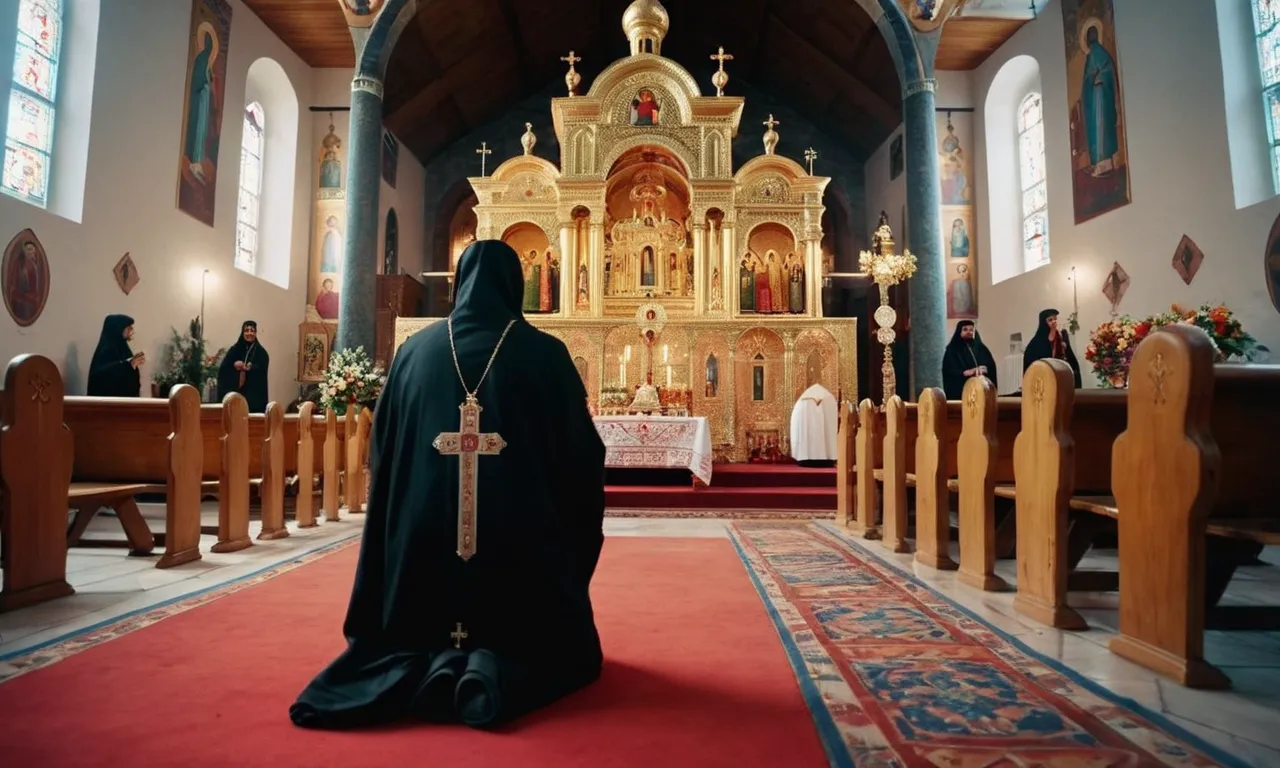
x: 128, y: 446
x: 935, y: 462
x: 272, y: 471
x: 232, y: 472
x: 846, y: 464
x: 868, y: 447
x: 305, y: 462
x: 36, y: 454
x: 331, y: 478
x: 985, y: 475
x: 1053, y: 479
x: 1194, y: 468
x: 898, y: 456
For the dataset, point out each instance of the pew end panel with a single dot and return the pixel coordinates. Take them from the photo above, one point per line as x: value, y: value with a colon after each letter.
x: 1044, y: 463
x: 1166, y: 467
x: 233, y: 480
x: 36, y: 455
x: 870, y: 427
x: 977, y: 463
x: 846, y: 471
x: 895, y: 451
x: 271, y: 491
x: 933, y: 518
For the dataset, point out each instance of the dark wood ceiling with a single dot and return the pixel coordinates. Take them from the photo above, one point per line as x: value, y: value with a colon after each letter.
x: 460, y: 64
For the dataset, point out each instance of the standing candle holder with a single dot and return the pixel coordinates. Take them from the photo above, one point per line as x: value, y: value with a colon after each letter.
x: 886, y: 269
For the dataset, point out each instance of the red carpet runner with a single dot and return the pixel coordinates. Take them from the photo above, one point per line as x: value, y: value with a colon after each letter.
x: 694, y: 676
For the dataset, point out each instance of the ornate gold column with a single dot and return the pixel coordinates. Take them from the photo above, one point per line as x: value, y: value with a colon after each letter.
x: 701, y: 268
x: 813, y: 278
x: 596, y: 266
x: 568, y: 266
x: 729, y: 270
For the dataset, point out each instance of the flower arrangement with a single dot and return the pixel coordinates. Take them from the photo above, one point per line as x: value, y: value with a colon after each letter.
x: 1112, y: 344
x: 351, y: 380
x: 1219, y: 322
x: 1111, y: 348
x: 186, y: 361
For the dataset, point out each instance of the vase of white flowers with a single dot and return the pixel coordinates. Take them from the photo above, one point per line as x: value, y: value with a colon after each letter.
x: 352, y: 380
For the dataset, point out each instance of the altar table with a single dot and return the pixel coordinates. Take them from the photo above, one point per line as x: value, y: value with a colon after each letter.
x: 657, y: 442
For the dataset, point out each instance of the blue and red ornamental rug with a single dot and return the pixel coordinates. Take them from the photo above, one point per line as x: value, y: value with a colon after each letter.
x: 897, y: 675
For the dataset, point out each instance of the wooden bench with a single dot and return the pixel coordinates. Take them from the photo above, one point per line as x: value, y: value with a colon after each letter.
x: 127, y: 446
x: 846, y: 464
x: 35, y: 473
x: 937, y: 432
x: 1193, y: 473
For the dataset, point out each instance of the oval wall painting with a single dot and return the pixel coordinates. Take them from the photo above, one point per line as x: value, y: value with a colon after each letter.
x: 24, y: 278
x: 1271, y: 263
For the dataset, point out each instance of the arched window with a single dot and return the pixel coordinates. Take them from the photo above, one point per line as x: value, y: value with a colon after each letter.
x: 28, y: 140
x: 249, y: 208
x: 1266, y: 25
x: 1031, y: 174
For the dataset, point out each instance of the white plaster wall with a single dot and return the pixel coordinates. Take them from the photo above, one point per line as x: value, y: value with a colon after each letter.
x: 1181, y: 180
x: 130, y: 205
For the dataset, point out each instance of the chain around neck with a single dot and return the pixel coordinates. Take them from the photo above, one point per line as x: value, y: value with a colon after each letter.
x: 471, y: 394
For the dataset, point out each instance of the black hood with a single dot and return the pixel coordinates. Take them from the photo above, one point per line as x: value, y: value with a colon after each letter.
x: 1042, y: 331
x: 489, y: 284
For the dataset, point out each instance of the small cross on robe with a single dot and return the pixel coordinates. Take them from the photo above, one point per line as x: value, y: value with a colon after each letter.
x: 458, y: 635
x: 484, y: 153
x: 467, y: 444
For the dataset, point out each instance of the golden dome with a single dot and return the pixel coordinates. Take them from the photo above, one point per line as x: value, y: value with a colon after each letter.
x: 646, y: 20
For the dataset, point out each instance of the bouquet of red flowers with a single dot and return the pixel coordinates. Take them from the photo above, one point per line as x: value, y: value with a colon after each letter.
x: 1111, y: 348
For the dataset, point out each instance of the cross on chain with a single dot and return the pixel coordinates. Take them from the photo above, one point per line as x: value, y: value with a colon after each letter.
x: 484, y: 153
x: 458, y: 635
x: 467, y: 444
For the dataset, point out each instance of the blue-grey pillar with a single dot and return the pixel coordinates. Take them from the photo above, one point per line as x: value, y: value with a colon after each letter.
x: 357, y: 304
x: 924, y: 203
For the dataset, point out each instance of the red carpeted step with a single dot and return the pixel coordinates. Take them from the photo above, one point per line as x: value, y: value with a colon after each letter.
x: 771, y: 476
x: 716, y: 497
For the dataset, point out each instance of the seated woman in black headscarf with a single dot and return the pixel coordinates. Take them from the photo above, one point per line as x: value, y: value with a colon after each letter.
x: 966, y: 356
x: 1051, y: 342
x: 244, y: 369
x: 113, y: 372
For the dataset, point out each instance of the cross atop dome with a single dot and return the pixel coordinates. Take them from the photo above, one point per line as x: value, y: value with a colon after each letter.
x: 646, y: 23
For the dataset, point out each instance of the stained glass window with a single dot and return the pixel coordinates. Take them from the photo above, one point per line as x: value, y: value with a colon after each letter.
x: 1035, y: 192
x: 1266, y: 25
x: 28, y: 140
x: 249, y: 206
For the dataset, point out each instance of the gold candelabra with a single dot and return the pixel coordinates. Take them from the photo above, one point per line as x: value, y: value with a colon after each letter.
x: 886, y: 269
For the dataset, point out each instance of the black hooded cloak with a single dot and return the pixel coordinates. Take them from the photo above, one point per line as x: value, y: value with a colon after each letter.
x: 110, y: 372
x: 255, y: 379
x: 522, y: 599
x: 1040, y: 346
x: 961, y: 356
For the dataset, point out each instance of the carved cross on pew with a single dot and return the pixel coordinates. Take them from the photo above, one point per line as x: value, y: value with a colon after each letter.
x: 467, y: 444
x: 484, y: 153
x: 458, y: 635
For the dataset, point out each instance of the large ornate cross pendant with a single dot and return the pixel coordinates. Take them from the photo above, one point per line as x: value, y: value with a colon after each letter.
x: 467, y: 444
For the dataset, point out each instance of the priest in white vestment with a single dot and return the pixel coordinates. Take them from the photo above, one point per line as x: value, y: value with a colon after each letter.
x: 814, y: 427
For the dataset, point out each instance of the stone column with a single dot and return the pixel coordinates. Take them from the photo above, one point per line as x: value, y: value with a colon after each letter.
x: 924, y: 201
x: 357, y: 305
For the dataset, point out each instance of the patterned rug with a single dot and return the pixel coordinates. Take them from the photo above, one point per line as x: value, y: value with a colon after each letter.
x: 720, y: 514
x: 897, y: 675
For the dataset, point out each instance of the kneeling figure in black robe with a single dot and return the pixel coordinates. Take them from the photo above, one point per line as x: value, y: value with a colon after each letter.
x: 511, y: 628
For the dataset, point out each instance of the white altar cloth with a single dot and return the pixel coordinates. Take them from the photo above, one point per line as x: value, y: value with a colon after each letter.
x: 657, y: 442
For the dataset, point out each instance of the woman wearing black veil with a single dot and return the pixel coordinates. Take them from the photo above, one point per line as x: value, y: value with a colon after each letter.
x: 244, y: 369
x: 113, y: 372
x: 1050, y: 341
x: 965, y: 357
